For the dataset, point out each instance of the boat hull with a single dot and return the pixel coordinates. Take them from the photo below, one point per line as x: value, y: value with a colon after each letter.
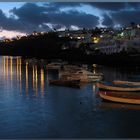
x: 120, y: 98
x: 119, y: 82
x: 66, y: 83
x: 115, y: 88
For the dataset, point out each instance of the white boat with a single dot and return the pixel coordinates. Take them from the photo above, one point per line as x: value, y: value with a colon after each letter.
x: 83, y: 75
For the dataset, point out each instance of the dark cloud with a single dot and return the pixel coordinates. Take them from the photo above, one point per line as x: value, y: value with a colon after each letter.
x: 134, y: 5
x: 11, y: 23
x: 31, y: 13
x: 37, y: 15
x: 74, y: 18
x: 112, y: 6
x: 32, y: 16
x: 124, y: 18
x: 107, y: 21
x: 64, y: 4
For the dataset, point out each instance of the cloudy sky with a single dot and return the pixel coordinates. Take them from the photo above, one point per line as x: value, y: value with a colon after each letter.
x: 20, y: 18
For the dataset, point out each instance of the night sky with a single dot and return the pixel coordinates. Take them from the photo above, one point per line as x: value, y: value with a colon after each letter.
x: 24, y: 18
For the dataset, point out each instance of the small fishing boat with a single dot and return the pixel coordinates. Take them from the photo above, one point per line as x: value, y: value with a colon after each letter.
x: 120, y: 97
x: 119, y: 82
x: 67, y: 83
x: 117, y: 88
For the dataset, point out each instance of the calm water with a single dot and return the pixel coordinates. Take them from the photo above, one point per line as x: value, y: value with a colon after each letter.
x: 30, y: 108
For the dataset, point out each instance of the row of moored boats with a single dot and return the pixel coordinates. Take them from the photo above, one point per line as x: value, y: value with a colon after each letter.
x: 75, y: 77
x: 120, y: 91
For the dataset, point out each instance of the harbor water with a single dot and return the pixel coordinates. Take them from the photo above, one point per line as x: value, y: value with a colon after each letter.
x: 31, y: 108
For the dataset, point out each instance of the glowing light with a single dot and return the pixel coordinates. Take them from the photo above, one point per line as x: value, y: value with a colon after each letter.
x: 96, y: 39
x: 138, y: 26
x: 95, y: 65
x: 4, y: 66
x: 122, y: 34
x: 35, y: 80
x: 17, y: 68
x: 42, y: 82
x: 94, y: 71
x: 11, y: 68
x: 94, y: 88
x: 78, y: 37
x: 20, y: 76
x: 26, y: 78
x: 33, y: 77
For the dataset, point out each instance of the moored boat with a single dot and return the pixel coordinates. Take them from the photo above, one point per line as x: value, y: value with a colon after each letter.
x: 53, y: 66
x: 130, y: 83
x: 67, y: 83
x: 120, y: 97
x: 117, y: 88
x: 82, y: 75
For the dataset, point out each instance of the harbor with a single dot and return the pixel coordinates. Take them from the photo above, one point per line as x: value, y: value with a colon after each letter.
x: 29, y: 104
x: 69, y: 70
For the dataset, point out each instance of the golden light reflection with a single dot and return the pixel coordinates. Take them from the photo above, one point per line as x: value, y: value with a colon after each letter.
x: 27, y: 83
x: 42, y: 82
x: 8, y: 70
x: 94, y: 71
x: 4, y: 63
x: 6, y: 67
x: 94, y: 88
x: 33, y: 77
x: 17, y: 68
x: 35, y: 80
x: 20, y: 75
x: 11, y: 68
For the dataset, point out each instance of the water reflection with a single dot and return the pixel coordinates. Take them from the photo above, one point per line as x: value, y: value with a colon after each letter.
x: 31, y: 77
x: 5, y: 64
x: 45, y: 117
x: 27, y: 82
x: 35, y: 80
x: 94, y: 88
x: 11, y: 68
x: 26, y: 77
x: 42, y: 81
x: 111, y: 105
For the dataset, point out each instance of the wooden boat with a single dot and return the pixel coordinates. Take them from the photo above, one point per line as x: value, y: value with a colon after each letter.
x: 120, y: 97
x: 119, y: 82
x: 67, y: 83
x: 116, y: 88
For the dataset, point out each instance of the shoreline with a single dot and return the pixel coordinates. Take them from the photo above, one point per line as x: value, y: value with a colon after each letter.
x: 112, y: 60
